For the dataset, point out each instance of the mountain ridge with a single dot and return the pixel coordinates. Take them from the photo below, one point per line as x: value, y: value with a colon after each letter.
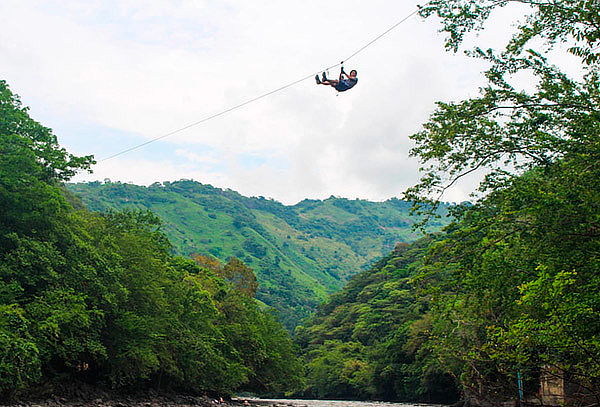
x: 300, y: 253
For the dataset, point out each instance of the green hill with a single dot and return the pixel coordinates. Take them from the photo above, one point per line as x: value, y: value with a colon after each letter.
x: 300, y: 253
x: 98, y: 300
x: 365, y: 341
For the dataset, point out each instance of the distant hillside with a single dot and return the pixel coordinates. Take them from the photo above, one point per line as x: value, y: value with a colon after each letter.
x: 300, y: 253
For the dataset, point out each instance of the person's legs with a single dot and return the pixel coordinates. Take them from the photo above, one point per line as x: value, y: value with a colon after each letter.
x: 330, y: 82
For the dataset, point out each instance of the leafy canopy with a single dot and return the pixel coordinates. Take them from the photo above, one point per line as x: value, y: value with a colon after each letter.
x: 509, y: 129
x: 514, y: 282
x: 100, y: 298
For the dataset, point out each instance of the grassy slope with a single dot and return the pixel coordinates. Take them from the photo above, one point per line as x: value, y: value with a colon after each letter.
x: 300, y: 253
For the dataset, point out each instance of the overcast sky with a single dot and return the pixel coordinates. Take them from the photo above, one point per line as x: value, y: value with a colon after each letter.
x: 107, y: 75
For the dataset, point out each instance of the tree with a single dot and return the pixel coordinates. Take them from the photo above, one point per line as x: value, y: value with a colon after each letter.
x: 554, y: 21
x: 366, y: 341
x: 241, y: 276
x: 514, y: 282
x: 100, y: 298
x: 264, y: 347
x: 57, y: 163
x: 508, y: 130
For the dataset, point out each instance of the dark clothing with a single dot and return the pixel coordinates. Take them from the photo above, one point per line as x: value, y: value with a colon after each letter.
x: 346, y: 84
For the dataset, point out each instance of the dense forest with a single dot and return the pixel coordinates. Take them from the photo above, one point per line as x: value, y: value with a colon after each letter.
x: 502, y: 300
x: 301, y: 253
x: 506, y: 298
x: 366, y: 341
x: 99, y: 298
x: 514, y: 284
x: 509, y: 289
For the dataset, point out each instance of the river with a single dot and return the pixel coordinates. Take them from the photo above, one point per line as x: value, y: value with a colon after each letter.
x: 333, y: 403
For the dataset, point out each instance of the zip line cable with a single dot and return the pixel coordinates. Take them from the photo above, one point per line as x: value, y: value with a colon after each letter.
x: 214, y: 115
x: 381, y: 35
x: 240, y: 105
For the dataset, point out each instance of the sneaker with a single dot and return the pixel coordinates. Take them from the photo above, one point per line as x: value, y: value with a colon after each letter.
x: 318, y: 80
x: 324, y: 77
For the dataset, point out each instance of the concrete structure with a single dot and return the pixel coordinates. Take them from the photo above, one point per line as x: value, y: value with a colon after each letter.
x: 552, y: 387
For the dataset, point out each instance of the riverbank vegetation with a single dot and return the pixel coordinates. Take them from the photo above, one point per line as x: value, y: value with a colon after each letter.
x: 514, y: 283
x: 366, y: 341
x: 99, y: 298
x: 507, y: 296
x: 503, y: 298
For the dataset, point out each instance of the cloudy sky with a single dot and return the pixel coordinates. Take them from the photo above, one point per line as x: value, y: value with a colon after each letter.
x: 107, y: 75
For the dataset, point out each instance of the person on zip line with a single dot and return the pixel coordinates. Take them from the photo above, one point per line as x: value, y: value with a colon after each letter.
x: 341, y: 85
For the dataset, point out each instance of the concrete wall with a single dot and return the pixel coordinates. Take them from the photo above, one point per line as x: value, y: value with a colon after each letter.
x: 552, y: 387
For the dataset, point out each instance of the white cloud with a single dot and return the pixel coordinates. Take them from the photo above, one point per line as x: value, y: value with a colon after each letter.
x: 198, y: 158
x: 148, y: 68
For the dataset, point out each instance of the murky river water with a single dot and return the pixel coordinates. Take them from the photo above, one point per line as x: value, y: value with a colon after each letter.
x: 334, y: 403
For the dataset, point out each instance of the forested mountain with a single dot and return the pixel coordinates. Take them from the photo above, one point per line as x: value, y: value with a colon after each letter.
x: 300, y: 253
x: 365, y: 342
x: 101, y: 299
x: 508, y: 292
